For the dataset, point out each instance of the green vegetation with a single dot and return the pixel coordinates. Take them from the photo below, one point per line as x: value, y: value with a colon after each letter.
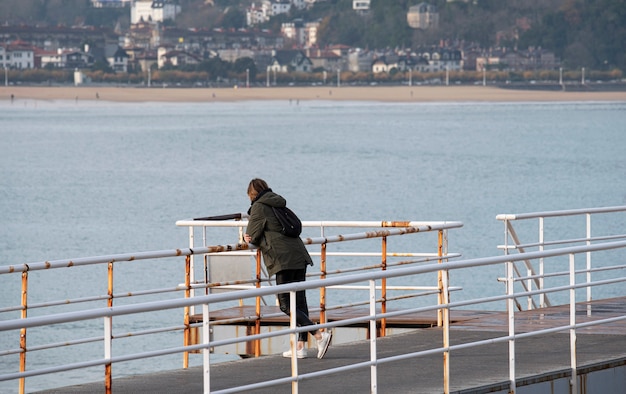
x: 582, y: 33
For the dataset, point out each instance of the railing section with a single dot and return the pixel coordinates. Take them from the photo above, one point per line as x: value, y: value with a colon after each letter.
x: 364, y: 257
x: 372, y: 278
x: 557, y: 229
x: 46, y: 310
x: 107, y: 316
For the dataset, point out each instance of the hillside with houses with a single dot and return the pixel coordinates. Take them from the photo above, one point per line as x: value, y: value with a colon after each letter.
x: 287, y: 38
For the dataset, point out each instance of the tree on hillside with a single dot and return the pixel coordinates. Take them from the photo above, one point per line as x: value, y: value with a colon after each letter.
x: 245, y: 63
x: 584, y: 34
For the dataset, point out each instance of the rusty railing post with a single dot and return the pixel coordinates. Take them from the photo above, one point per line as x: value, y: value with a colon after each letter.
x: 323, y: 288
x: 383, y: 291
x: 24, y: 314
x: 443, y: 314
x: 108, y: 380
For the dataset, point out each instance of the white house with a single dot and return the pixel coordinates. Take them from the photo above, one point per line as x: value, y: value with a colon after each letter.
x: 385, y: 64
x: 258, y: 14
x: 17, y: 55
x: 4, y: 54
x: 153, y: 10
x: 440, y: 59
x: 175, y: 57
x: 361, y: 5
x: 303, y: 34
x: 360, y: 60
x: 255, y: 14
x: 278, y: 7
x: 423, y: 16
x: 65, y: 58
x: 290, y: 60
x: 53, y: 59
x: 119, y: 60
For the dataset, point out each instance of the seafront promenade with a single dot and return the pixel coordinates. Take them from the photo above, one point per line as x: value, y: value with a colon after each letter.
x: 542, y: 362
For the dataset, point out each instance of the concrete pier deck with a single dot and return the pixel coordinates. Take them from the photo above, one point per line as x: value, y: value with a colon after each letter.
x: 485, y: 369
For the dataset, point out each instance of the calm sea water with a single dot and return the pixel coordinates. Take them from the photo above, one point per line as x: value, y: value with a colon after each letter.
x: 92, y: 178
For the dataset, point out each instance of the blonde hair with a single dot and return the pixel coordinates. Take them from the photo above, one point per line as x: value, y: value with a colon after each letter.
x: 255, y: 187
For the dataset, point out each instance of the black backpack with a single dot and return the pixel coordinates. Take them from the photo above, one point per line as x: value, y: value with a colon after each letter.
x: 292, y: 226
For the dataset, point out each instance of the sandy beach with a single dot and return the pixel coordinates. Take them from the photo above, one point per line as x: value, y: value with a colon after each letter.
x: 349, y: 93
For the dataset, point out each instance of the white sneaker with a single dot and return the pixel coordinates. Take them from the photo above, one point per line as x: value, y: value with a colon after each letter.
x: 322, y: 344
x: 300, y: 353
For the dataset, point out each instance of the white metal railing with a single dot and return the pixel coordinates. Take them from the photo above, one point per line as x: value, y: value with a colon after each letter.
x: 381, y: 231
x: 106, y: 315
x: 535, y: 274
x: 377, y: 230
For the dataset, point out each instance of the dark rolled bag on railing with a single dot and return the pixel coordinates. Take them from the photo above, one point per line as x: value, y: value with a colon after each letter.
x: 230, y: 216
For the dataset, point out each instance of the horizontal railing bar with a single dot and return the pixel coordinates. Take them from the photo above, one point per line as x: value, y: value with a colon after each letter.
x: 342, y: 254
x: 148, y: 332
x: 83, y: 261
x: 564, y: 273
x: 217, y: 248
x: 379, y: 316
x: 200, y: 285
x: 63, y: 344
x: 100, y: 362
x: 388, y: 287
x: 70, y: 301
x: 93, y: 339
x: 552, y: 330
x: 486, y: 300
x: 378, y: 254
x: 329, y: 308
x: 571, y: 212
x: 12, y: 308
x: 380, y: 233
x: 55, y: 369
x: 321, y: 223
x: 312, y: 284
x: 569, y: 287
x: 563, y: 242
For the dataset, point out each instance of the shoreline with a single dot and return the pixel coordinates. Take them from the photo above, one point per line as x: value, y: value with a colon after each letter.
x: 328, y: 93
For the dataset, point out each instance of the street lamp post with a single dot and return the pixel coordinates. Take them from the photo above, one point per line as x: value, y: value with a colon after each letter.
x: 247, y: 77
x: 4, y: 64
x: 583, y: 78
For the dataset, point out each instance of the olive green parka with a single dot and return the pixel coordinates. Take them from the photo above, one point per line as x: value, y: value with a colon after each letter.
x: 279, y: 251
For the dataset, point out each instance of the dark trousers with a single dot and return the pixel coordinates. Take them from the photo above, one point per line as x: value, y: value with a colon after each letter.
x: 302, y: 309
